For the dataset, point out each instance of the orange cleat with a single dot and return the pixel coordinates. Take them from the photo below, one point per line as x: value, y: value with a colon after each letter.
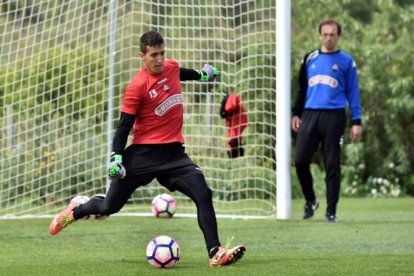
x: 63, y: 219
x: 227, y: 256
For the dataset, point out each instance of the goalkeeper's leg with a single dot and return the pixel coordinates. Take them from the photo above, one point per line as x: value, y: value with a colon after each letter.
x: 116, y: 197
x: 119, y: 192
x: 195, y: 187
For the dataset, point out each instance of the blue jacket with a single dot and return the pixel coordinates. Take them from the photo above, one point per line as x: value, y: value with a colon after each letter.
x: 328, y: 81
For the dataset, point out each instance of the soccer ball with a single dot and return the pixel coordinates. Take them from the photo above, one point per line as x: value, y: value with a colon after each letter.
x: 81, y: 199
x: 97, y: 216
x: 163, y: 206
x: 163, y: 252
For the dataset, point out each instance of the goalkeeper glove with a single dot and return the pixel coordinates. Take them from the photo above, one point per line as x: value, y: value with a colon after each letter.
x: 116, y: 169
x: 208, y: 73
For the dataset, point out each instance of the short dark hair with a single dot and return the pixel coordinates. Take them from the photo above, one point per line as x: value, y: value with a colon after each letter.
x: 151, y: 38
x: 330, y: 22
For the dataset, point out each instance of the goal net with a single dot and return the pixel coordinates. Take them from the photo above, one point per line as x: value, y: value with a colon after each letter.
x: 62, y: 60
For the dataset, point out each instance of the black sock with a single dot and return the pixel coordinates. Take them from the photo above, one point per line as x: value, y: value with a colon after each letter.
x: 76, y: 213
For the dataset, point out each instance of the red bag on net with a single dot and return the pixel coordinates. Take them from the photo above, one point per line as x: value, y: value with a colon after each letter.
x: 234, y: 113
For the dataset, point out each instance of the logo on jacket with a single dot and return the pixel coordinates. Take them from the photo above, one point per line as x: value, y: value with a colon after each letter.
x: 323, y: 79
x: 162, y: 80
x: 335, y: 67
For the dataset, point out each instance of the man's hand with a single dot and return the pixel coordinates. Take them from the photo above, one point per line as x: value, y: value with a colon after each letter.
x: 356, y: 133
x: 208, y: 73
x: 295, y: 123
x: 116, y: 169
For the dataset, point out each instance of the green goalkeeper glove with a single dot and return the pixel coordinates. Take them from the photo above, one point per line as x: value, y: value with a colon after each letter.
x: 208, y: 73
x: 116, y: 169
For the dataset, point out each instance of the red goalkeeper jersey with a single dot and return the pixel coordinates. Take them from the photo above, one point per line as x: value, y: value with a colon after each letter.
x: 156, y: 102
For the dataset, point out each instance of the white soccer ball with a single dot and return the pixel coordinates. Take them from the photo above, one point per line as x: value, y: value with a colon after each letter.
x: 163, y: 206
x: 163, y: 252
x: 81, y: 199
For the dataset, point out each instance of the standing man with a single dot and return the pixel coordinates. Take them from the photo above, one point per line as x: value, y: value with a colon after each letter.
x: 328, y: 84
x: 152, y: 106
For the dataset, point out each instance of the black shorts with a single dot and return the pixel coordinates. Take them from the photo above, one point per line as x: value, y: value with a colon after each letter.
x: 166, y: 162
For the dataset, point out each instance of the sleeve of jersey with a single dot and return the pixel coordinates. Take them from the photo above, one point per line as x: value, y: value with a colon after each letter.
x: 303, y: 87
x: 189, y: 74
x: 132, y: 97
x: 353, y: 95
x: 126, y: 121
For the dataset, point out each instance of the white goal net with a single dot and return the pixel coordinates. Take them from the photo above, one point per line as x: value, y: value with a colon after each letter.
x: 60, y: 61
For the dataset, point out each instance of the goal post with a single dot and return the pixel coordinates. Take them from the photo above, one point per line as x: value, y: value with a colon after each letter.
x: 283, y: 77
x: 64, y: 66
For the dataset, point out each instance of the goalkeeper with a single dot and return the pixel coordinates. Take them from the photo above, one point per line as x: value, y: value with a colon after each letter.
x: 152, y: 106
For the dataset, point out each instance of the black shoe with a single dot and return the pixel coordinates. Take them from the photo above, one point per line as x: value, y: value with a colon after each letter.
x: 331, y: 218
x: 310, y: 208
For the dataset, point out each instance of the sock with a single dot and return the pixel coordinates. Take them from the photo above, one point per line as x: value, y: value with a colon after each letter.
x: 75, y: 213
x: 213, y: 251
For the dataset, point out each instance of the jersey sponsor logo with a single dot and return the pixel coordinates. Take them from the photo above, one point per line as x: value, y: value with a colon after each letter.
x: 323, y: 79
x: 152, y: 93
x: 168, y: 104
x: 162, y: 81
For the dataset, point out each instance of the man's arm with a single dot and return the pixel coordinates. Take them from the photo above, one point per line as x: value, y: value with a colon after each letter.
x: 301, y: 97
x: 189, y: 74
x: 354, y: 103
x: 207, y: 73
x: 303, y: 87
x: 352, y: 94
x: 126, y: 121
x: 116, y: 169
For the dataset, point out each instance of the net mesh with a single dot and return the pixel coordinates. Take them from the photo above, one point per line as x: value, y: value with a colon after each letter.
x: 54, y: 82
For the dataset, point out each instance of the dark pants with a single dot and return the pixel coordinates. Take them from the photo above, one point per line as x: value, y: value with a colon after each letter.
x: 325, y: 127
x: 174, y: 170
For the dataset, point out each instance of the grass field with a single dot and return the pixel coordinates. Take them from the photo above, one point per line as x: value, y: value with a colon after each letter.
x: 373, y: 237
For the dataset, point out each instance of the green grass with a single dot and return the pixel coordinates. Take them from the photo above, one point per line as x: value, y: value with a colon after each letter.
x: 373, y: 237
